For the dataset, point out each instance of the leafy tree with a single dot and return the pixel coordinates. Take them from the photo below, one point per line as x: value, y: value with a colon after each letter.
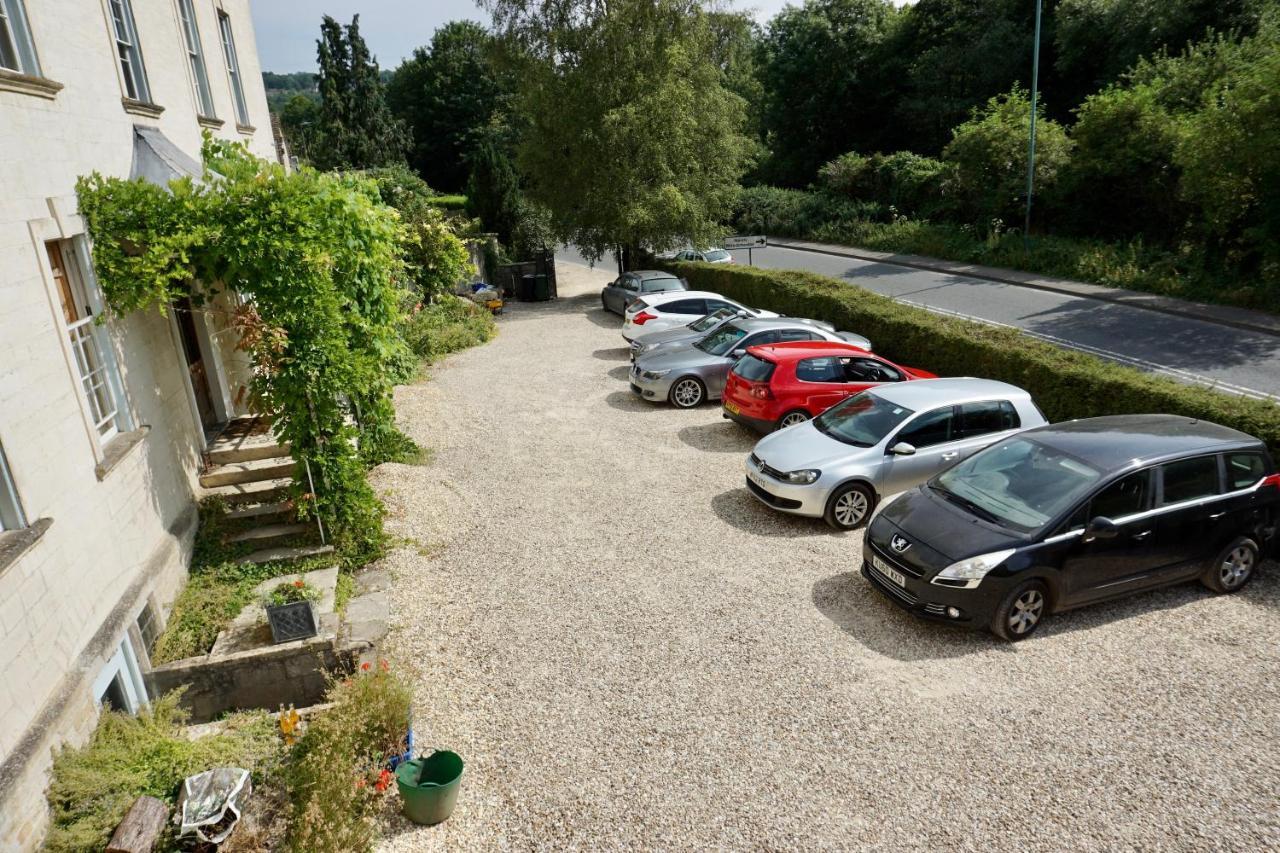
x: 493, y: 191
x: 632, y: 139
x: 989, y: 155
x: 299, y: 120
x: 908, y: 182
x: 448, y: 94
x: 435, y: 258
x: 825, y: 84
x: 958, y: 53
x: 355, y: 128
x: 1230, y: 156
x: 1097, y: 41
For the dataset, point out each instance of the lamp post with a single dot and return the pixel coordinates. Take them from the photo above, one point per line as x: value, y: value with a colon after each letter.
x: 1031, y: 145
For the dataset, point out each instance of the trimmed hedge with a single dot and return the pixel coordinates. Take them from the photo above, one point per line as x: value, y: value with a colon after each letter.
x: 1066, y: 384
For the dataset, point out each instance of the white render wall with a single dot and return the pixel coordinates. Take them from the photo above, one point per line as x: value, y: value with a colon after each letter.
x: 114, y: 540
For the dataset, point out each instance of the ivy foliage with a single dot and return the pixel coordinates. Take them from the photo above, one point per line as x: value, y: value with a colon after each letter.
x: 317, y: 258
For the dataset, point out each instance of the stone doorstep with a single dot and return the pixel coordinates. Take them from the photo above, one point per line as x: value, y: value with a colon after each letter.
x: 249, y: 631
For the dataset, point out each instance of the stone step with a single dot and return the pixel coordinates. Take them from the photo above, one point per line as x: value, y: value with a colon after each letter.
x: 244, y: 494
x: 247, y: 472
x: 272, y: 555
x: 270, y: 531
x: 224, y: 451
x: 263, y: 511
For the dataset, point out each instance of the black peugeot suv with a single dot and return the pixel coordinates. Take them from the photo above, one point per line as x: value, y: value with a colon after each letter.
x: 1075, y: 513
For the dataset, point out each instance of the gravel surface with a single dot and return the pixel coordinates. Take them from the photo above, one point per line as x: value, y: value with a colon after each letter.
x: 629, y: 651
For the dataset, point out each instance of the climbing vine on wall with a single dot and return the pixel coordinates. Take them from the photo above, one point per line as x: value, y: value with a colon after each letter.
x: 317, y: 259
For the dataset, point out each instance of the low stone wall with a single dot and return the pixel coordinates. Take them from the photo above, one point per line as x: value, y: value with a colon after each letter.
x: 291, y: 673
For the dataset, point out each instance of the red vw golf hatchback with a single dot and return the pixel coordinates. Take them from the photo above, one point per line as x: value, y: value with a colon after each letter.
x: 783, y: 384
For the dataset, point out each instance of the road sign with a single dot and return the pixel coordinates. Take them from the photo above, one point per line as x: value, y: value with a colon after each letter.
x: 745, y: 242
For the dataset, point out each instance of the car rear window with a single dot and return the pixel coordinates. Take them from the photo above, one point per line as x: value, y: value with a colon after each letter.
x: 754, y: 369
x: 716, y: 255
x: 824, y: 369
x: 1188, y: 479
x: 658, y: 285
x: 1245, y: 469
x: 638, y: 305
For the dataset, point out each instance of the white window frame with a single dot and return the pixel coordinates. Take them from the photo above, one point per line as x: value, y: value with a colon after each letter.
x: 123, y: 665
x: 89, y: 348
x: 191, y: 44
x: 11, y: 515
x: 133, y: 70
x: 15, y: 36
x: 228, y: 38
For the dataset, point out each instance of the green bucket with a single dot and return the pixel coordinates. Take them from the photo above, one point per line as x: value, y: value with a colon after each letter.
x: 429, y: 786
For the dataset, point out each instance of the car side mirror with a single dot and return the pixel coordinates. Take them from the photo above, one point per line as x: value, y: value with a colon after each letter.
x: 1101, y: 528
x: 903, y: 448
x: 737, y: 354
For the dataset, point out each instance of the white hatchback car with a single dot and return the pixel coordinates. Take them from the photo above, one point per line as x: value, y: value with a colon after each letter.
x: 655, y: 312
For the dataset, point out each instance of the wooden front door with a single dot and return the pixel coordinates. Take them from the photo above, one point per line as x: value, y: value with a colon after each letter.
x: 195, y: 361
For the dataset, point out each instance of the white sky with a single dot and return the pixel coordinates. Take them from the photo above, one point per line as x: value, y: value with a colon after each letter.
x: 287, y: 29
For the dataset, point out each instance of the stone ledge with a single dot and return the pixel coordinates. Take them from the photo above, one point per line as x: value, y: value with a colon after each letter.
x: 15, y: 543
x: 210, y: 122
x: 246, y: 129
x: 118, y: 448
x: 25, y: 84
x: 141, y: 108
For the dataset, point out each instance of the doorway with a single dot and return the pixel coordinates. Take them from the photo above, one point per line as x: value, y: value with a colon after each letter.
x: 196, y: 367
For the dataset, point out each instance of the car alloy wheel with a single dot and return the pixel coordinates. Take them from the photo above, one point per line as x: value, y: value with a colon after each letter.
x: 1233, y: 567
x: 686, y: 393
x: 1021, y: 612
x: 849, y: 507
x: 792, y: 418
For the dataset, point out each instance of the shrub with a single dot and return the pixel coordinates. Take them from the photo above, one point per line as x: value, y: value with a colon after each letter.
x: 336, y: 776
x: 795, y: 213
x: 148, y: 754
x: 449, y: 202
x: 989, y: 155
x: 908, y: 182
x: 1066, y: 384
x: 447, y: 325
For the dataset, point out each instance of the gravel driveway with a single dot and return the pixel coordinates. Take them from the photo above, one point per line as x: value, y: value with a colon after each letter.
x: 629, y: 651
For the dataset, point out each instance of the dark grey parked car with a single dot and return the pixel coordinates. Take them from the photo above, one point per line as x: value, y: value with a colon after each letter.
x: 620, y: 292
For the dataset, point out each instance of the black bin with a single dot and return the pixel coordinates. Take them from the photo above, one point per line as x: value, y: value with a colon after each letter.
x: 534, y: 288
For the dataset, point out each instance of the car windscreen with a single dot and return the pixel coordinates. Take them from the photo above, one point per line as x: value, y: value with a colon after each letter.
x: 862, y: 420
x: 1018, y: 484
x: 716, y: 255
x: 721, y: 340
x: 658, y: 285
x: 709, y: 322
x: 754, y: 369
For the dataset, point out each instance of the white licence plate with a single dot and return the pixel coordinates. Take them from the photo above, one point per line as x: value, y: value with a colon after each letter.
x: 888, y: 571
x: 758, y: 479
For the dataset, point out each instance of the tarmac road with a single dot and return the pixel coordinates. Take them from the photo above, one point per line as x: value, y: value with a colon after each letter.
x: 1185, y: 348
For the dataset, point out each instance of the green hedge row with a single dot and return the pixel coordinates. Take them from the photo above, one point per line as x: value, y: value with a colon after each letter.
x: 1065, y: 384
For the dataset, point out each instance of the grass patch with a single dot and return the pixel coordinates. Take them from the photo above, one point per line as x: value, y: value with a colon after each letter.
x: 447, y: 325
x: 92, y: 787
x: 345, y: 591
x: 448, y: 202
x: 218, y: 587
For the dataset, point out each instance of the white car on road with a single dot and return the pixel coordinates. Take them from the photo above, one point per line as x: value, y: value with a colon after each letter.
x: 656, y: 312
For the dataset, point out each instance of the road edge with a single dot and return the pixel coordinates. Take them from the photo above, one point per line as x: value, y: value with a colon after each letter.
x: 1237, y: 318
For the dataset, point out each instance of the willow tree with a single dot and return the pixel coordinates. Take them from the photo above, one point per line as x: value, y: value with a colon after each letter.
x: 630, y: 138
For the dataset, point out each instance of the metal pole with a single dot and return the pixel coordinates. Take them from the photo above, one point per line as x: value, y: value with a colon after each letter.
x: 1031, y: 146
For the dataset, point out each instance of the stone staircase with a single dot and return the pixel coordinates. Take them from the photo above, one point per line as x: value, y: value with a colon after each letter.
x: 252, y: 474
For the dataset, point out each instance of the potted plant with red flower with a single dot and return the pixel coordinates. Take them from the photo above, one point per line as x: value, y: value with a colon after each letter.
x: 291, y: 610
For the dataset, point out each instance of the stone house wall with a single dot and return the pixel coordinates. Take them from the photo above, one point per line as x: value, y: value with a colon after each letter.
x: 109, y: 524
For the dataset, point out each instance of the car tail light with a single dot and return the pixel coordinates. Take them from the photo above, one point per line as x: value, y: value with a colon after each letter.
x: 761, y: 392
x: 643, y: 317
x: 1272, y: 480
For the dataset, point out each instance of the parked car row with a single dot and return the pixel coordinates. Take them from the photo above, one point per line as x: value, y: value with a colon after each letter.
x: 980, y: 513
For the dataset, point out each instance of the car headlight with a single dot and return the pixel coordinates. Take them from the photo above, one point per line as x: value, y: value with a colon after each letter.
x: 801, y: 478
x: 654, y: 374
x: 967, y: 574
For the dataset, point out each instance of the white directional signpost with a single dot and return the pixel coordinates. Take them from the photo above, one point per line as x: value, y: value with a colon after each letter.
x: 747, y: 243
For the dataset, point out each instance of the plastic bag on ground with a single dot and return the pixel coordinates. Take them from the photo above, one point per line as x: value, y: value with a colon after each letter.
x: 210, y: 803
